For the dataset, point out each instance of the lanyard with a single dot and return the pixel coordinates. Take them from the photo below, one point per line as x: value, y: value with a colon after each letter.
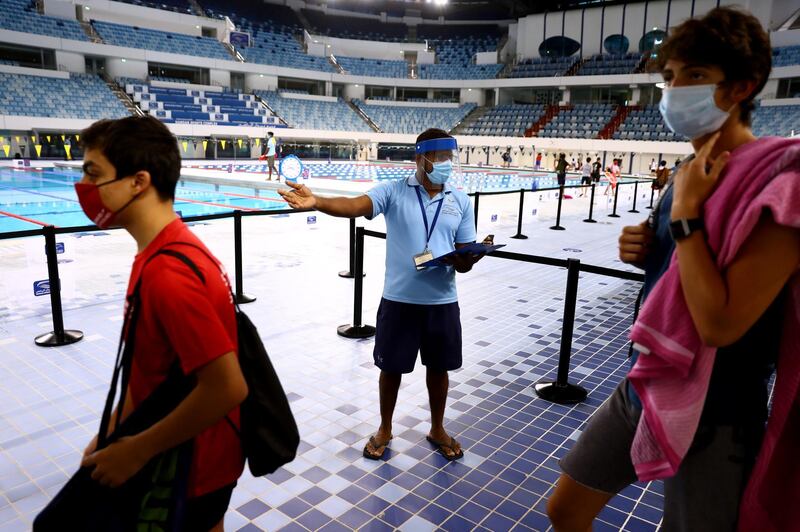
x: 428, y: 232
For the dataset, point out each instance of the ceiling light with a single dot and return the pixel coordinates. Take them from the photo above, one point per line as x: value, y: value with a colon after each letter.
x: 655, y: 28
x: 86, y: 8
x: 197, y: 26
x: 356, y: 84
x: 123, y: 60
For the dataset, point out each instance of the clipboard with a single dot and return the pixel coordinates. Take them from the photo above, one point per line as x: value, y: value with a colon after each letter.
x: 475, y: 248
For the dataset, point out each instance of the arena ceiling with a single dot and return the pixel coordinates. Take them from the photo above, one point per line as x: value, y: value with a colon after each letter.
x: 466, y: 9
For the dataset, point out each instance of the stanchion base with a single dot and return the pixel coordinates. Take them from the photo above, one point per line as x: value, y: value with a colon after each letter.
x: 649, y: 207
x: 349, y: 275
x: 519, y: 236
x: 243, y: 299
x: 558, y: 228
x: 563, y: 394
x: 590, y: 221
x: 51, y: 339
x: 352, y: 331
x: 634, y: 211
x: 614, y: 216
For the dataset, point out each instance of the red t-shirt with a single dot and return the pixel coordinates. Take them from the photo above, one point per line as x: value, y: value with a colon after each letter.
x: 195, y: 322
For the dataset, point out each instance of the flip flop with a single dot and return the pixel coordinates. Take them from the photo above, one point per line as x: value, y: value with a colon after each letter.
x: 441, y: 446
x: 375, y: 445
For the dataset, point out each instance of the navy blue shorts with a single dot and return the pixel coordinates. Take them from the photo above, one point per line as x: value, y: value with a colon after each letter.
x: 404, y: 329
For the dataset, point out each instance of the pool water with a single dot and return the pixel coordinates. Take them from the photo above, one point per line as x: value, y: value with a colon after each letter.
x: 33, y: 199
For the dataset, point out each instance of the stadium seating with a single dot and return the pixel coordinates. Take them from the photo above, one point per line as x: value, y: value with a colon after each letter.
x: 19, y: 15
x: 167, y: 78
x: 506, y: 120
x: 455, y: 48
x: 81, y: 96
x: 607, y: 64
x: 276, y: 45
x: 781, y: 120
x: 645, y: 123
x: 582, y: 121
x: 447, y: 71
x: 786, y: 56
x: 413, y: 120
x: 542, y: 67
x: 212, y: 107
x: 358, y: 66
x: 314, y: 114
x: 162, y: 41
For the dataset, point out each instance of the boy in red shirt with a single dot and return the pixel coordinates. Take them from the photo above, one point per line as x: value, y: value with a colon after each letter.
x: 131, y: 168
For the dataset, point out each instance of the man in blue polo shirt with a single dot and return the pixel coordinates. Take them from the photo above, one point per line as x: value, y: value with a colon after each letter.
x: 425, y: 218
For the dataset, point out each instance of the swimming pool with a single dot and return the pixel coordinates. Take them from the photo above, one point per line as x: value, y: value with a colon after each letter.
x: 472, y: 179
x: 31, y: 199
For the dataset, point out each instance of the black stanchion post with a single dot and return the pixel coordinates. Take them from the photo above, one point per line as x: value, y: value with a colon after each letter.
x: 58, y: 336
x: 241, y: 298
x: 652, y: 195
x: 616, y: 196
x: 348, y: 274
x: 558, y: 227
x: 357, y: 330
x: 519, y: 235
x: 635, y: 193
x: 561, y: 391
x: 591, y: 220
x: 475, y: 212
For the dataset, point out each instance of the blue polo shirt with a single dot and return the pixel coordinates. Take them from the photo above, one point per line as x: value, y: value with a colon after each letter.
x: 405, y: 237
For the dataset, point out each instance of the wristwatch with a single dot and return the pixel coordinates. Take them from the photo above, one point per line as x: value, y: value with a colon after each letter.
x: 682, y: 228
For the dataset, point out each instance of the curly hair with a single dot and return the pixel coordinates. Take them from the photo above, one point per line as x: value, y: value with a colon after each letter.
x: 726, y: 37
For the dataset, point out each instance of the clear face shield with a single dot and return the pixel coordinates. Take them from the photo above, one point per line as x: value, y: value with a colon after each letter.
x: 442, y: 163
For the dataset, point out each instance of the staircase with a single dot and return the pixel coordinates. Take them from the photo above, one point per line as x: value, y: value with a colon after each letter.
x: 642, y: 66
x: 413, y: 71
x: 90, y: 32
x: 470, y: 119
x: 622, y: 113
x: 120, y: 93
x: 197, y: 8
x: 549, y: 114
x: 576, y: 66
x: 364, y: 116
x: 335, y: 64
x: 304, y: 21
x: 233, y: 51
x: 271, y: 110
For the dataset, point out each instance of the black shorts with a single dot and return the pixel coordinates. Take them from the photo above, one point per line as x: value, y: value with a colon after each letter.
x: 204, y: 512
x: 404, y: 329
x: 562, y: 179
x: 586, y: 180
x: 596, y: 178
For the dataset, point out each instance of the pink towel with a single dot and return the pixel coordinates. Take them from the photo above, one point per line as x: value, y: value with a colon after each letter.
x: 672, y: 374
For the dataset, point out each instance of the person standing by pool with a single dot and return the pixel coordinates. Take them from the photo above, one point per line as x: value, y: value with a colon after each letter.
x: 271, y: 149
x: 561, y: 169
x: 130, y: 171
x: 425, y: 217
x: 538, y: 164
x: 586, y: 174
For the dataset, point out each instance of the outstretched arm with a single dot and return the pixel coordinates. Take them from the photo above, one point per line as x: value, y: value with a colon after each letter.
x: 301, y: 197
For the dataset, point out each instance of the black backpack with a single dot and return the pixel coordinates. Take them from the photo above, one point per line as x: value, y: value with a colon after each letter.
x: 268, y: 432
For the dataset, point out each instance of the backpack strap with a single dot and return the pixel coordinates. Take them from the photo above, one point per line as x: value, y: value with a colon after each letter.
x: 186, y: 260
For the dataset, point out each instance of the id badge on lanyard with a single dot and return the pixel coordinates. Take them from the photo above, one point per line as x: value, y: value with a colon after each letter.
x: 427, y: 254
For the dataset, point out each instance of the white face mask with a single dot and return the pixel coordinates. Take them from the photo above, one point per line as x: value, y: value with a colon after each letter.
x: 691, y: 111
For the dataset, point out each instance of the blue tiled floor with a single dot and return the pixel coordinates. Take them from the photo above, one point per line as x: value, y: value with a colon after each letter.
x: 511, y: 315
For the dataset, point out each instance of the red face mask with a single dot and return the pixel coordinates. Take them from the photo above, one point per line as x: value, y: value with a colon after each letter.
x: 93, y: 206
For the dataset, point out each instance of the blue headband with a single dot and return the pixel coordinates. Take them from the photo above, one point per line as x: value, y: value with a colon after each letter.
x: 445, y: 144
